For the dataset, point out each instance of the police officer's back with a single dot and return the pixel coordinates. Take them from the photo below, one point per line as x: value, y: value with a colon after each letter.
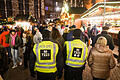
x: 47, y: 59
x: 75, y: 55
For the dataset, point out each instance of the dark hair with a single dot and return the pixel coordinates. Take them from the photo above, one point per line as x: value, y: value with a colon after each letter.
x: 77, y: 33
x: 13, y: 31
x: 45, y: 34
x: 5, y: 28
x: 55, y: 33
x: 104, y: 32
x: 25, y: 32
x: 105, y: 28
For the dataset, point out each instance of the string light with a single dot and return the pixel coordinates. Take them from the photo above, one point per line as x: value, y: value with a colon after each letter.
x: 100, y: 5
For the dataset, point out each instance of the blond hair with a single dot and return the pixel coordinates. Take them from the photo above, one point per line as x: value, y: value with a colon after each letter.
x: 102, y: 41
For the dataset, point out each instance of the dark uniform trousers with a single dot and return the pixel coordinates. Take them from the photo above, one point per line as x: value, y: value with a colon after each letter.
x: 46, y: 76
x: 73, y: 74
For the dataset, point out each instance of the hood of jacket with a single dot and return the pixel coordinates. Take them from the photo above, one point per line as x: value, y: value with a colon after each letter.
x: 101, y: 48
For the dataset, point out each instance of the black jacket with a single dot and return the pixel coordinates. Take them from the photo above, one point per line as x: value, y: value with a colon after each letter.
x: 110, y: 42
x: 65, y: 36
x: 59, y: 63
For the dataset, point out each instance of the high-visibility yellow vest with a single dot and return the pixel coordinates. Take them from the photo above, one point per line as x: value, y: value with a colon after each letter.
x: 46, y: 53
x: 77, y: 53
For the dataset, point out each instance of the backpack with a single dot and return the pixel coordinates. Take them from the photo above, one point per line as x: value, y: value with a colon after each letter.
x: 7, y: 38
x: 94, y: 33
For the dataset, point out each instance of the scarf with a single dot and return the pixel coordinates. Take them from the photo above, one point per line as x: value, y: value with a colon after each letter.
x: 13, y: 39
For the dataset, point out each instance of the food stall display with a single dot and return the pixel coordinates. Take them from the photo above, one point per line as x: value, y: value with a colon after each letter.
x: 110, y: 17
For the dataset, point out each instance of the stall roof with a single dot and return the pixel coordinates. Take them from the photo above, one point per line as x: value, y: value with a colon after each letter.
x: 77, y: 10
x: 25, y: 17
x: 113, y: 5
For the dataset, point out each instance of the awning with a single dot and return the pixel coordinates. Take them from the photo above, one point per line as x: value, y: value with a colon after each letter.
x: 25, y: 17
x: 98, y: 9
x: 77, y: 10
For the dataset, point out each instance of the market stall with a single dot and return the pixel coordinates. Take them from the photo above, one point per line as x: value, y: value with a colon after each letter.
x: 104, y: 15
x: 24, y: 21
x: 70, y: 14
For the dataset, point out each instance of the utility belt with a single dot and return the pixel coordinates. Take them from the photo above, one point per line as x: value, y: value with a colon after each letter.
x: 73, y: 68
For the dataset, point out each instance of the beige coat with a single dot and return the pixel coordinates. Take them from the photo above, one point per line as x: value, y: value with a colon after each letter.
x: 101, y: 60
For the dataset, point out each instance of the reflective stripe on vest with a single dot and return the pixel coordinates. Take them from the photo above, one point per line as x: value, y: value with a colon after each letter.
x: 46, y: 66
x: 73, y: 61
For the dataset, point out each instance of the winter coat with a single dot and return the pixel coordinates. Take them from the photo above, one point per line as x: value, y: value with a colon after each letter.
x: 17, y: 42
x: 101, y: 61
x: 65, y: 36
x: 110, y: 41
x: 4, y: 39
x: 93, y: 34
x: 37, y: 38
x: 30, y: 40
x: 60, y: 41
x: 3, y: 60
x: 70, y: 35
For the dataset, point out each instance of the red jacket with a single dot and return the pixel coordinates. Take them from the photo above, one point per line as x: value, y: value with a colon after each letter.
x: 4, y: 39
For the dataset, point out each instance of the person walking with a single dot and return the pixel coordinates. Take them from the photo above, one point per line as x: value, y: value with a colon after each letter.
x: 93, y: 34
x: 70, y: 34
x: 24, y: 50
x: 57, y: 38
x: 37, y: 38
x: 46, y: 59
x: 101, y: 60
x: 75, y: 55
x: 119, y: 47
x: 110, y: 41
x: 15, y: 42
x: 4, y: 41
x: 3, y: 61
x: 66, y: 31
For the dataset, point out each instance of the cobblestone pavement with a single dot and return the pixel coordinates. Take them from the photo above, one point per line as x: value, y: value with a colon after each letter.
x: 20, y: 74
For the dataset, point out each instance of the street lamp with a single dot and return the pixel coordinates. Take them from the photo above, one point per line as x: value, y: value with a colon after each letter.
x: 57, y: 9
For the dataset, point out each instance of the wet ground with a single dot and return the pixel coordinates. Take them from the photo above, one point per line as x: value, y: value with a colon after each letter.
x: 20, y: 74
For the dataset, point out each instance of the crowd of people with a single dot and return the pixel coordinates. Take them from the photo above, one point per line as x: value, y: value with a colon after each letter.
x: 50, y: 51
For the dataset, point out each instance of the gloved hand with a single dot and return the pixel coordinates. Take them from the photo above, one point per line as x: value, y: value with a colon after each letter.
x: 32, y: 75
x: 59, y: 76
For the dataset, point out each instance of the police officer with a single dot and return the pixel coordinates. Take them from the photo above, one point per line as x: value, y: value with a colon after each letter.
x: 46, y: 59
x: 75, y: 55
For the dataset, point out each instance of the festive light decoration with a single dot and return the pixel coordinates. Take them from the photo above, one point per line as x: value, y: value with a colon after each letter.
x: 88, y: 12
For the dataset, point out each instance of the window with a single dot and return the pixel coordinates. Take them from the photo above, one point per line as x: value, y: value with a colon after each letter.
x: 9, y: 7
x: 56, y: 3
x: 36, y: 8
x: 2, y: 8
x: 27, y: 7
x: 21, y: 7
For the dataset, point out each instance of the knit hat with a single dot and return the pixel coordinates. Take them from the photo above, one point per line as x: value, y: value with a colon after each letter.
x: 102, y: 41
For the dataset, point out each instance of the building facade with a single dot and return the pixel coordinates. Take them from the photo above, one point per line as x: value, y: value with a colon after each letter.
x: 12, y: 8
x: 53, y: 8
x: 79, y: 3
x: 85, y: 3
x: 96, y: 1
